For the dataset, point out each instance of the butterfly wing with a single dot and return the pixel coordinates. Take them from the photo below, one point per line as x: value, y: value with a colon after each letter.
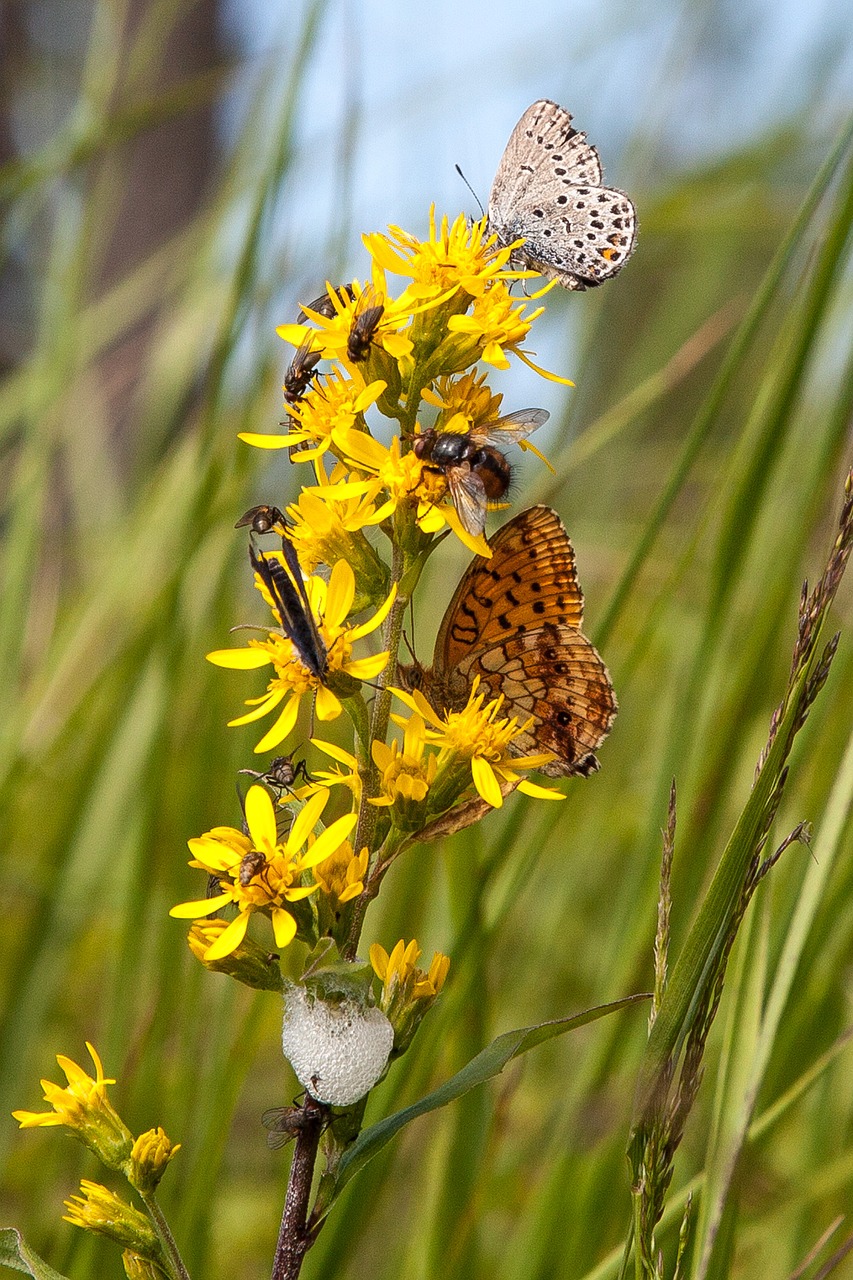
x: 515, y: 622
x: 543, y: 148
x: 548, y: 191
x: 530, y: 577
x: 555, y: 675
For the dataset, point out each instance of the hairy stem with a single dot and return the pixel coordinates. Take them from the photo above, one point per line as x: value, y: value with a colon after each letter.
x: 294, y: 1239
x: 167, y: 1240
x: 367, y: 813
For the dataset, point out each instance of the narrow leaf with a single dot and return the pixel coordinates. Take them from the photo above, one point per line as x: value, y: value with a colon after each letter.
x: 488, y: 1063
x: 15, y: 1254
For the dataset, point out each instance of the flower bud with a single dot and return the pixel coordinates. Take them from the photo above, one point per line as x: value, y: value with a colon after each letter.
x: 151, y: 1153
x: 250, y: 964
x: 106, y: 1214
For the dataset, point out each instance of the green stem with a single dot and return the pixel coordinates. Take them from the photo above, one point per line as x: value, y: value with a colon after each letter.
x: 173, y: 1258
x: 367, y: 813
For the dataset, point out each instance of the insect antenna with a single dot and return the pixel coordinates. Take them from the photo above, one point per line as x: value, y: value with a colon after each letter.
x: 471, y: 189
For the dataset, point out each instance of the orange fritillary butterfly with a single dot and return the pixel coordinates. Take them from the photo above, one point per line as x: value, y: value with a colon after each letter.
x: 515, y: 621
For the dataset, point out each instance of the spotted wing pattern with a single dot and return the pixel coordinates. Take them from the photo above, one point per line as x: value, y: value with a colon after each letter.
x: 515, y: 622
x: 548, y: 190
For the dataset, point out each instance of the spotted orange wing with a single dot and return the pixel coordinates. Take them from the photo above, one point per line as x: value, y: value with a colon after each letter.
x: 515, y: 622
x: 530, y: 577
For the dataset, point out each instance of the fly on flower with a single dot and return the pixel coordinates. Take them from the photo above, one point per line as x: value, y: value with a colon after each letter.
x: 303, y: 366
x: 281, y: 774
x: 365, y: 321
x: 263, y: 519
x: 478, y: 473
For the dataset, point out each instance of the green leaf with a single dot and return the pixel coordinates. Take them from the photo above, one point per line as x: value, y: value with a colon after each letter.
x: 15, y: 1254
x: 488, y: 1063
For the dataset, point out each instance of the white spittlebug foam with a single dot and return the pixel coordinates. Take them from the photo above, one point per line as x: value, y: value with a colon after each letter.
x: 338, y: 1054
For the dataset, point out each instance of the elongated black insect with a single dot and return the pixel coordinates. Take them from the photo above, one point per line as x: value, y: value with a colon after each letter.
x: 292, y: 607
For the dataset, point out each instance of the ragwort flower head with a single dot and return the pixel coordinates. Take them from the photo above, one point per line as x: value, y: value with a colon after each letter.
x: 343, y: 873
x: 325, y: 532
x: 407, y: 772
x: 331, y: 336
x: 407, y: 992
x: 496, y: 321
x: 331, y: 603
x: 482, y: 737
x: 262, y: 872
x: 402, y: 478
x: 103, y: 1212
x: 333, y: 406
x: 469, y: 396
x: 84, y: 1108
x: 462, y: 256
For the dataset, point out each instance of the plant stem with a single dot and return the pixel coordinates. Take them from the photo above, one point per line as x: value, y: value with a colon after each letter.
x: 367, y: 812
x: 294, y: 1240
x: 167, y: 1240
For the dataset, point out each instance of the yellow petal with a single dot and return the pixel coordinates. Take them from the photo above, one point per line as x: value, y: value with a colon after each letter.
x: 541, y: 793
x: 267, y: 442
x: 239, y: 659
x: 283, y: 926
x: 295, y: 334
x: 364, y: 450
x: 229, y: 939
x: 340, y: 594
x: 379, y: 960
x: 327, y: 705
x: 378, y: 618
x: 337, y: 753
x: 204, y: 907
x: 260, y: 819
x: 486, y: 782
x: 330, y: 840
x: 367, y: 668
x: 264, y: 707
x: 305, y: 821
x: 283, y: 725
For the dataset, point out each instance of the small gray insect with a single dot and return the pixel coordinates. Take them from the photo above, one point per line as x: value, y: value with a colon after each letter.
x: 548, y: 190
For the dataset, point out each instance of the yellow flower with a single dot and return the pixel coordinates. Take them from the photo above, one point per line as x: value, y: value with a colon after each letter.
x: 468, y: 395
x: 83, y: 1106
x: 407, y: 771
x: 461, y: 256
x: 150, y: 1157
x: 276, y: 867
x: 324, y: 532
x: 331, y: 605
x: 342, y: 874
x: 334, y: 405
x: 332, y: 334
x: 403, y: 478
x: 329, y: 778
x: 103, y: 1212
x: 398, y: 971
x: 482, y: 736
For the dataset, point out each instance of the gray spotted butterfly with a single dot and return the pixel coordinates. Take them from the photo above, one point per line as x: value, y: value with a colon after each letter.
x: 548, y: 191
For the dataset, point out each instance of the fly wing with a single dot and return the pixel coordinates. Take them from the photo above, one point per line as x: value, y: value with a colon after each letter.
x: 515, y: 427
x: 469, y: 498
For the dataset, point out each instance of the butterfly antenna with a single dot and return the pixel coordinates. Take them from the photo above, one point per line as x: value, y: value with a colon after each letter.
x: 471, y: 189
x: 410, y: 645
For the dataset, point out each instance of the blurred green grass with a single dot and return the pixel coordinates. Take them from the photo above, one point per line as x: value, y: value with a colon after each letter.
x: 697, y: 502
